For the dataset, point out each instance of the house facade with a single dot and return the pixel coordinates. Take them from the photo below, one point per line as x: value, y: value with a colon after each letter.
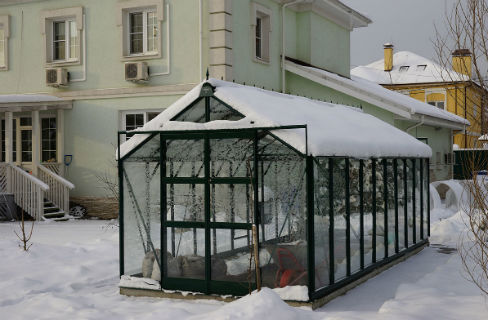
x: 448, y: 88
x: 73, y: 73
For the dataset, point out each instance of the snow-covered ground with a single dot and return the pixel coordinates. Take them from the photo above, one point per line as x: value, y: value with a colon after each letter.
x: 71, y: 272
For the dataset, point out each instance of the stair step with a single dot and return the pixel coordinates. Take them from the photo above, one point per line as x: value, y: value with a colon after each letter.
x: 56, y: 214
x: 63, y: 218
x: 51, y: 209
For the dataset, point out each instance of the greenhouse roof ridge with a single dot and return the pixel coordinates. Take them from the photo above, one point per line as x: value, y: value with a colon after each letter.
x: 333, y: 129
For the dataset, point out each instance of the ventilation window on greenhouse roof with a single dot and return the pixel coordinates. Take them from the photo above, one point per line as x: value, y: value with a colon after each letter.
x: 217, y: 111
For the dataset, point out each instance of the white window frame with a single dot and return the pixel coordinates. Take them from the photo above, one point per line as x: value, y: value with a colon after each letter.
x: 145, y: 38
x: 145, y: 113
x: 67, y: 44
x: 48, y: 18
x: 263, y: 13
x: 133, y: 6
x: 5, y: 26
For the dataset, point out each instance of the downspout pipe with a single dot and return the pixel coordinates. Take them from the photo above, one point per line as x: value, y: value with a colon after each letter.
x: 422, y: 121
x: 283, y: 41
x: 83, y: 43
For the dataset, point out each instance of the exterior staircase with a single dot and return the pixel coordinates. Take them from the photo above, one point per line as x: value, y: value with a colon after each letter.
x: 53, y: 212
x: 43, y: 197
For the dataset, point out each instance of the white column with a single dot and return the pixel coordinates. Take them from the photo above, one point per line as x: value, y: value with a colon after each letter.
x: 36, y: 141
x: 9, y: 145
x: 9, y: 142
x: 60, y: 141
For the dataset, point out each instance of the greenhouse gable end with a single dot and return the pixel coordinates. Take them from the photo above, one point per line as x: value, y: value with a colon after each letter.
x: 325, y: 193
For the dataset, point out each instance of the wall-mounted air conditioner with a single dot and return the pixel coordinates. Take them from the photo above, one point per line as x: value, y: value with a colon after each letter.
x: 136, y: 71
x: 56, y: 77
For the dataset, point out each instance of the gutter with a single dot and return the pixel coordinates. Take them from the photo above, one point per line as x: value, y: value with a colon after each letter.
x: 422, y: 121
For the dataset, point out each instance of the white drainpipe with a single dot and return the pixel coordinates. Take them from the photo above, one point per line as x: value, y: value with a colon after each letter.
x: 168, y: 51
x: 83, y: 78
x: 422, y: 121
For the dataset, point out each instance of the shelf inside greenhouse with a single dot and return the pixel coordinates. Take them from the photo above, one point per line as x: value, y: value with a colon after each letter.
x: 318, y: 194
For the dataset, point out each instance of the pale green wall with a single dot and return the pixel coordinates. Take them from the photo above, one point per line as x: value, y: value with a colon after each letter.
x: 91, y: 137
x: 309, y: 37
x: 105, y: 69
x: 330, y: 45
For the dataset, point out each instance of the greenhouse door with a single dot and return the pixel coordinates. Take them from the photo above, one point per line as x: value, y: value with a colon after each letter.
x: 207, y: 191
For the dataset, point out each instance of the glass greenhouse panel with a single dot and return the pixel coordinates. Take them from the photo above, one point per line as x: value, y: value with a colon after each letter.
x: 368, y: 211
x: 231, y: 157
x: 185, y: 202
x: 321, y: 222
x: 355, y: 214
x: 426, y: 197
x: 282, y: 206
x: 390, y: 178
x: 231, y: 258
x: 219, y: 111
x: 410, y: 204
x: 188, y: 260
x: 230, y: 203
x: 141, y: 184
x: 418, y: 206
x: 184, y: 158
x: 195, y: 113
x: 401, y: 203
x: 339, y: 212
x: 380, y: 210
x: 149, y: 151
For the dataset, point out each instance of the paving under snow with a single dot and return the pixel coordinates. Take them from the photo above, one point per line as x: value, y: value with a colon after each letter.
x: 71, y: 272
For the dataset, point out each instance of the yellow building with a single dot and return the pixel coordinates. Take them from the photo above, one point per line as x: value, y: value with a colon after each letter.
x: 448, y: 89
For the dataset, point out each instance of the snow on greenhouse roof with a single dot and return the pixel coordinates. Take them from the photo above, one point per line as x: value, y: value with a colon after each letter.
x: 333, y: 130
x: 408, y: 68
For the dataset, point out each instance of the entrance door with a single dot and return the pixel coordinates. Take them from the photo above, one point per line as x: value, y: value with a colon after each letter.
x: 207, y: 183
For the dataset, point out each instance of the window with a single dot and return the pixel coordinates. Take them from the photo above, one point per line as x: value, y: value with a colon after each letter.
x: 261, y: 31
x: 48, y: 136
x: 141, y: 22
x: 65, y: 40
x: 4, y: 35
x: 421, y: 67
x: 62, y: 31
x: 132, y: 120
x: 438, y: 104
x: 404, y: 68
x: 143, y: 32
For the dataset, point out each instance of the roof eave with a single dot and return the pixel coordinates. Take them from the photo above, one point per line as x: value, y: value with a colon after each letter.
x: 437, y: 122
x: 366, y: 96
x: 35, y: 106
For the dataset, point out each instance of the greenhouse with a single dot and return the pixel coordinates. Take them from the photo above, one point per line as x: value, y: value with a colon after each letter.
x: 318, y: 195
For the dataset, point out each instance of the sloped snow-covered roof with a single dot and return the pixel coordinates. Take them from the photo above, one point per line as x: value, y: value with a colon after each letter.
x: 333, y: 130
x: 376, y: 94
x: 408, y: 68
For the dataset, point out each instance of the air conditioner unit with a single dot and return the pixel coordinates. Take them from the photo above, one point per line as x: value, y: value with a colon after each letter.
x: 136, y: 71
x: 56, y: 77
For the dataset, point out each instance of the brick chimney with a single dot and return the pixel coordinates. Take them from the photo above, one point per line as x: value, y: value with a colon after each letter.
x: 388, y: 50
x: 461, y: 61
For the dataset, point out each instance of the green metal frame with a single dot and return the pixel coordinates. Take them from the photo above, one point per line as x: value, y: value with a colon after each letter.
x: 210, y: 286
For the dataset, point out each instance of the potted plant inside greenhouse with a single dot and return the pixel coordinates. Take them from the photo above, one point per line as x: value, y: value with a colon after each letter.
x: 320, y: 195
